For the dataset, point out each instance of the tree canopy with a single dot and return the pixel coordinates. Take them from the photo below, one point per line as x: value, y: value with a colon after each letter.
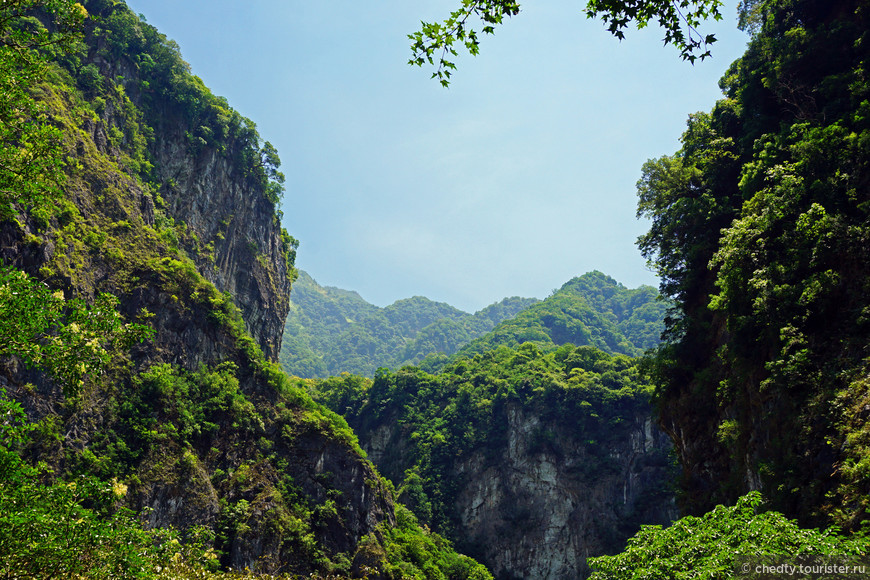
x: 592, y: 309
x: 30, y: 151
x: 729, y: 542
x: 67, y: 338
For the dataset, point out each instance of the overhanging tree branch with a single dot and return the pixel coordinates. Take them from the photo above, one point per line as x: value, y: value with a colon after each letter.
x: 680, y: 20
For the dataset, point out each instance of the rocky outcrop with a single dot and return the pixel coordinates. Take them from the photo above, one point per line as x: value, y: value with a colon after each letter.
x: 539, y: 513
x: 541, y: 504
x: 205, y: 191
x: 233, y: 232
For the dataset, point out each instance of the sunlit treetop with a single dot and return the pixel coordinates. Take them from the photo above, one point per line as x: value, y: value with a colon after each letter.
x: 436, y: 43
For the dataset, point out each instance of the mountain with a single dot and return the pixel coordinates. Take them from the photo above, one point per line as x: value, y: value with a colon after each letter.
x: 149, y: 214
x: 531, y: 462
x: 147, y: 430
x: 503, y: 450
x: 329, y: 331
x: 759, y: 229
x: 592, y: 309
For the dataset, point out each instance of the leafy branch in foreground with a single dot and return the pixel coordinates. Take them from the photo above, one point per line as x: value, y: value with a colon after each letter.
x: 679, y: 18
x: 435, y: 37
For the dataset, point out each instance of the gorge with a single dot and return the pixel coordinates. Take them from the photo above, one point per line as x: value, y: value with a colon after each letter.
x: 147, y: 287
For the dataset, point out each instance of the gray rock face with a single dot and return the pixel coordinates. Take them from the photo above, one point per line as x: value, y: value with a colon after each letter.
x: 226, y: 211
x: 537, y: 512
x: 205, y: 191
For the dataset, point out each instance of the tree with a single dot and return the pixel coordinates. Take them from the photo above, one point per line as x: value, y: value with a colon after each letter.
x: 270, y: 163
x: 63, y: 529
x: 31, y: 159
x: 759, y: 232
x: 680, y: 20
x: 67, y: 338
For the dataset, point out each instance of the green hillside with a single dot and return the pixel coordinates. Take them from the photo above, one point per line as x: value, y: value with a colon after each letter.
x: 592, y: 309
x: 330, y: 331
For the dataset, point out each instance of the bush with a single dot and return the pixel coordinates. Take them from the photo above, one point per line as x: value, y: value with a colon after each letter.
x: 712, y: 546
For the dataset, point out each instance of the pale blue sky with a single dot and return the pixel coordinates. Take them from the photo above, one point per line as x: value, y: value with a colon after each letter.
x: 517, y: 178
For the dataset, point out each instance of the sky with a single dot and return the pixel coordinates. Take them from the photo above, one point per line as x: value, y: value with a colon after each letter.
x: 514, y: 180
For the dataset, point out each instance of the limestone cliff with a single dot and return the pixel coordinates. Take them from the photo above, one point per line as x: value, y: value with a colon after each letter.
x: 235, y: 236
x: 529, y: 462
x: 537, y: 512
x: 209, y: 195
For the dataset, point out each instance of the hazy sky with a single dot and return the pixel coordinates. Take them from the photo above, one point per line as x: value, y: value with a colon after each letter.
x: 517, y: 178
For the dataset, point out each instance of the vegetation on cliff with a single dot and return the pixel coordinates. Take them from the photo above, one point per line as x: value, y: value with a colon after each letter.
x: 759, y: 231
x: 584, y: 403
x: 760, y: 234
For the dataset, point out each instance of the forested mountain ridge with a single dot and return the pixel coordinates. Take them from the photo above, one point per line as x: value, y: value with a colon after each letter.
x: 153, y: 196
x: 592, y: 309
x: 329, y: 331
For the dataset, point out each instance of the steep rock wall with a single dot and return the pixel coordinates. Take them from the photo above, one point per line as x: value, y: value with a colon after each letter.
x: 205, y: 191
x: 236, y: 238
x: 537, y: 509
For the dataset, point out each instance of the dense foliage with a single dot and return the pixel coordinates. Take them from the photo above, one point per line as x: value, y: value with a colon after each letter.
x: 67, y: 338
x: 582, y: 392
x: 592, y: 309
x: 759, y: 230
x: 48, y: 531
x: 760, y: 234
x: 330, y: 331
x: 76, y: 529
x: 30, y: 151
x: 730, y: 542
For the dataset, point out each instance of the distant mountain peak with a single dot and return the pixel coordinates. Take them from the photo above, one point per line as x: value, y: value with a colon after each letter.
x: 331, y: 330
